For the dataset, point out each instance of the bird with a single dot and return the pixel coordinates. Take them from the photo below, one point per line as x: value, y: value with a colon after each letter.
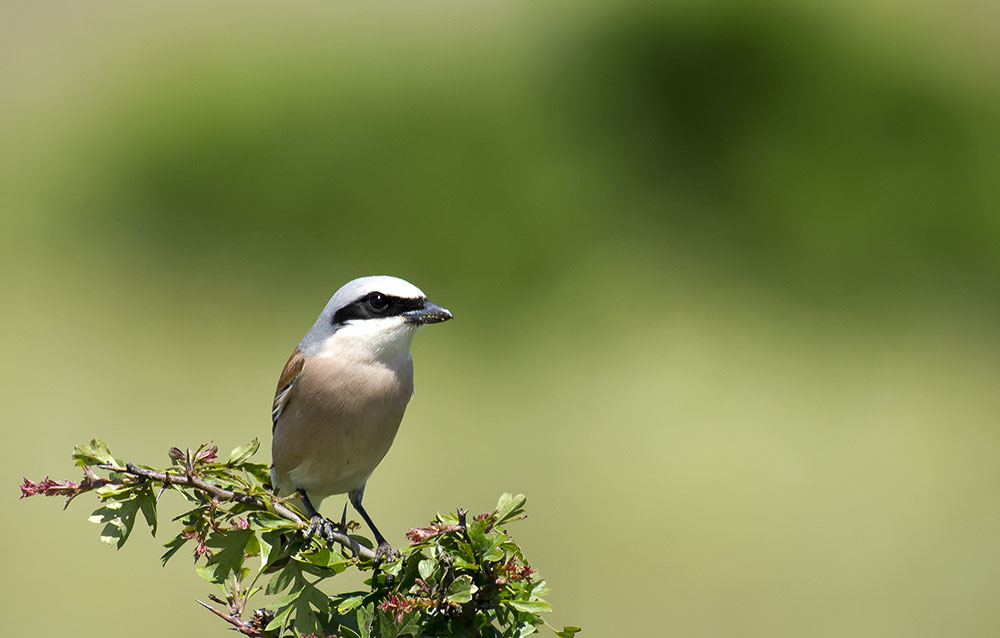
x: 342, y: 394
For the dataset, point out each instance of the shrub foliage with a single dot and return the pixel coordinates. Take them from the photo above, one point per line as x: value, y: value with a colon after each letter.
x: 456, y: 577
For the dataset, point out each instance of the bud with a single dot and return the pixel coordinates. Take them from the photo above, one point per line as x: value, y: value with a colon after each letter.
x: 420, y: 534
x: 48, y: 487
x: 208, y: 455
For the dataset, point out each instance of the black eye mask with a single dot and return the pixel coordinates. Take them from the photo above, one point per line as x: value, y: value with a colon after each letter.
x: 375, y: 305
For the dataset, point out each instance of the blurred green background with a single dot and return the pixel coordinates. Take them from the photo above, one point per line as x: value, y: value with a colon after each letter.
x: 724, y: 275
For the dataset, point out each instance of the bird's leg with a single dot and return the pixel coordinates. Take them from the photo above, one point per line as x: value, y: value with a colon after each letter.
x: 317, y: 524
x: 384, y: 550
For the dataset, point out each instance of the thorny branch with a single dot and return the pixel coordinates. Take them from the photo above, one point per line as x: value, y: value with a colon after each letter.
x: 221, y: 494
x: 238, y: 623
x: 92, y: 481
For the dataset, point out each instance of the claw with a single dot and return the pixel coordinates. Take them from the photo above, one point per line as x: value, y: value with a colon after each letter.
x: 315, y: 524
x: 326, y: 528
x: 384, y: 553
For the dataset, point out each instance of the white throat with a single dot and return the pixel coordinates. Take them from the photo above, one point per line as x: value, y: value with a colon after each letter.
x: 386, y: 340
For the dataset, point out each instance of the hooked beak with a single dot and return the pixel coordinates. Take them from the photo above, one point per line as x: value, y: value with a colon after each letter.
x: 430, y: 313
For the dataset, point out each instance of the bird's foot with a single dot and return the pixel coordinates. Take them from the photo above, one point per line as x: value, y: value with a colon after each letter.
x: 384, y: 553
x: 324, y: 527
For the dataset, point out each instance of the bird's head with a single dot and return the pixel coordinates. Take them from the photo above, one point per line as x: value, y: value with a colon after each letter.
x: 377, y: 314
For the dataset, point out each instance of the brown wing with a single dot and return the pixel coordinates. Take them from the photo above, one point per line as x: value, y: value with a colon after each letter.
x: 291, y: 374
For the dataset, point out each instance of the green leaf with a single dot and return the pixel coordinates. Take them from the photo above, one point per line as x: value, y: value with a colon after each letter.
x: 528, y: 629
x: 514, y: 549
x: 118, y: 518
x: 568, y: 632
x: 243, y: 452
x: 229, y: 548
x: 172, y: 548
x: 253, y: 545
x: 461, y: 590
x: 110, y: 491
x: 477, y: 534
x: 348, y: 632
x: 494, y: 555
x: 426, y: 568
x: 407, y: 626
x: 211, y: 574
x: 94, y: 453
x: 486, y: 544
x: 147, y: 504
x: 259, y: 471
x: 289, y: 574
x: 308, y: 605
x: 285, y: 607
x: 539, y: 589
x: 324, y: 558
x: 410, y: 625
x: 270, y: 548
x: 510, y: 507
x: 366, y: 616
x: 530, y: 606
x: 267, y: 520
x: 348, y: 604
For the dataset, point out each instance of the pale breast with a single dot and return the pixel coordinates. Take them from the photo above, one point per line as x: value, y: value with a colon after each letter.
x: 338, y: 424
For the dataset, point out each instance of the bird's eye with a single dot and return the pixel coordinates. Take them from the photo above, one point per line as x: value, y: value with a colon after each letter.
x: 378, y: 302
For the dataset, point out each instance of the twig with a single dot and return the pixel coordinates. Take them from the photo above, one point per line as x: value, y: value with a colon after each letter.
x: 241, y: 625
x: 226, y: 495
